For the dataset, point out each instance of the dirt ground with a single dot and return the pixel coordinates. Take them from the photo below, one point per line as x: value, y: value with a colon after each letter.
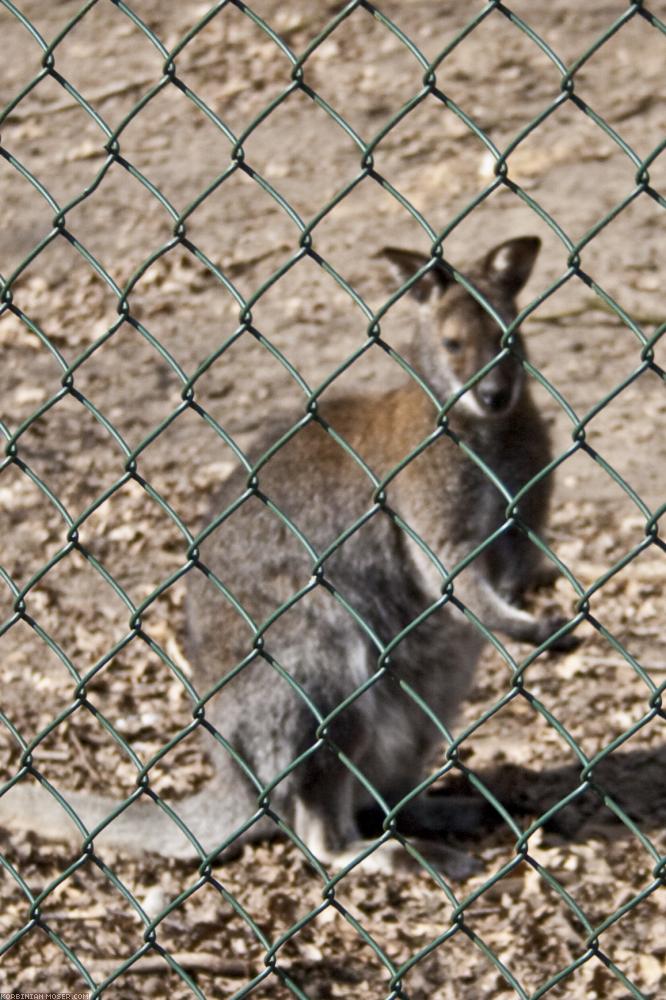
x: 578, y: 173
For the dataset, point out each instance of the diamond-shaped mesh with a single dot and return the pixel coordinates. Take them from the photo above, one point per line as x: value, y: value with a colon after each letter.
x: 195, y: 201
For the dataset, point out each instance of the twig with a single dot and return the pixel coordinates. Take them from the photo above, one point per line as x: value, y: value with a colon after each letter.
x: 191, y: 961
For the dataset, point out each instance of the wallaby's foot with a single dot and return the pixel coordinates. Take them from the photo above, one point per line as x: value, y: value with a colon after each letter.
x: 394, y: 858
x: 435, y: 816
x: 549, y: 626
x: 457, y: 865
x: 439, y: 815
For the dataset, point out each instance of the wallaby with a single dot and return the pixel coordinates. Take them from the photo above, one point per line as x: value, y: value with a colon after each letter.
x: 315, y: 591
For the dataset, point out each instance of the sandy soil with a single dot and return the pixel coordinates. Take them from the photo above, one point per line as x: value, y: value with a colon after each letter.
x: 62, y: 309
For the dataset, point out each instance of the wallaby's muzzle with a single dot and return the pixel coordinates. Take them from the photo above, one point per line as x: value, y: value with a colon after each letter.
x: 498, y: 392
x: 494, y: 398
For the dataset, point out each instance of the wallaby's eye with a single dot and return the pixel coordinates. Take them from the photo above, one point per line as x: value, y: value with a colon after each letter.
x: 452, y: 344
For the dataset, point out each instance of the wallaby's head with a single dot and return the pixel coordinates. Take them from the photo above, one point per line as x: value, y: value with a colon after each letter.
x: 457, y: 337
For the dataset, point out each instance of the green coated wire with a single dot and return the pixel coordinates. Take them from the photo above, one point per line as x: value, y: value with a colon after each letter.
x: 297, y: 77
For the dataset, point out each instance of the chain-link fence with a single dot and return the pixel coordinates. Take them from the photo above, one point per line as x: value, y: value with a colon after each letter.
x: 196, y: 202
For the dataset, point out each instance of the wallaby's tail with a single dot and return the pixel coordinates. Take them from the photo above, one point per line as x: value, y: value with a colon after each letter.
x: 144, y: 826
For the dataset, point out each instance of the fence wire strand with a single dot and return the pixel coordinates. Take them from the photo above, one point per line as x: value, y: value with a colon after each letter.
x: 304, y: 250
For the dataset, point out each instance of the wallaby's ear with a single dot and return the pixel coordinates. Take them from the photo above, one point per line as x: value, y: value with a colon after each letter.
x: 510, y: 264
x: 405, y: 265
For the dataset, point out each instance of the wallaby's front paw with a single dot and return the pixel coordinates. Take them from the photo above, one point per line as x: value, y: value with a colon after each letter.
x: 549, y: 626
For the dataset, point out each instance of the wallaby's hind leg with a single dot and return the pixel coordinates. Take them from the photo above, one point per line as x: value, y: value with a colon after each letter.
x: 392, y: 856
x: 339, y: 833
x: 326, y: 833
x: 329, y: 821
x: 428, y: 822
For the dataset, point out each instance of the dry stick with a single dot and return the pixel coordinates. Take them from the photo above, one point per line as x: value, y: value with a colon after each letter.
x: 117, y: 90
x: 70, y: 103
x: 189, y: 960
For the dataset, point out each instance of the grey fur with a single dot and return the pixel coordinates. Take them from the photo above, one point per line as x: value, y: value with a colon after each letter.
x: 382, y: 574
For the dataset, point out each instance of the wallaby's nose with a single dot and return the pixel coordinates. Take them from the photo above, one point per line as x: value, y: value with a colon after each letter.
x: 494, y: 397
